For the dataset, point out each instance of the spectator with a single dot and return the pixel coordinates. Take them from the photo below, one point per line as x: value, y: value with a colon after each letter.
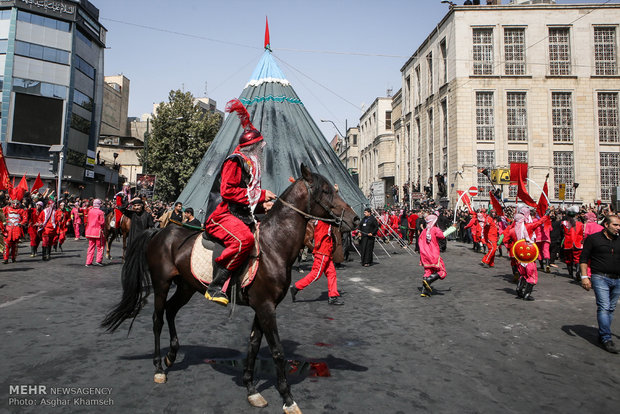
x: 602, y: 251
x: 190, y: 220
x: 368, y: 228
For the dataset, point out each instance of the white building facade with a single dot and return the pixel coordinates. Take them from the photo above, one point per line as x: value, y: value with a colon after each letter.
x: 498, y: 84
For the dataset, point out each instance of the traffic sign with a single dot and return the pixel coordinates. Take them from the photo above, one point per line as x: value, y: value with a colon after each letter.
x: 473, y: 191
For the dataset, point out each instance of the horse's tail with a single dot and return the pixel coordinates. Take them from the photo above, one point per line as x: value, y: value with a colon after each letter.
x: 136, y: 281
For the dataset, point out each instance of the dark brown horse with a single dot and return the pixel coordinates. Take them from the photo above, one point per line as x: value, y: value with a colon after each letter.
x: 110, y: 233
x: 159, y: 257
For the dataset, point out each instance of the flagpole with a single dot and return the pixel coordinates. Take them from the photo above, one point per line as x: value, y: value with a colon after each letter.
x: 541, y: 190
x: 456, y: 206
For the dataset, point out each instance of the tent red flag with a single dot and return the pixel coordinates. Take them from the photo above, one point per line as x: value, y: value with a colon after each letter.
x: 5, y: 183
x: 496, y: 205
x: 543, y: 202
x: 267, y: 42
x: 38, y: 183
x: 518, y: 174
x: 466, y: 200
x: 22, y: 188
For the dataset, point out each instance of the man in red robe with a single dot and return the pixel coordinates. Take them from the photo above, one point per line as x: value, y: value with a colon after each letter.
x: 16, y: 219
x: 233, y: 220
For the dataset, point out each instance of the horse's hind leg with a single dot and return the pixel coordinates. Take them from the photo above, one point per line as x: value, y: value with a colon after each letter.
x: 267, y: 319
x: 181, y: 296
x: 158, y: 323
x: 254, y: 397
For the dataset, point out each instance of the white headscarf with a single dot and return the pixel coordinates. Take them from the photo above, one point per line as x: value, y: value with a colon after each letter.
x: 431, y: 219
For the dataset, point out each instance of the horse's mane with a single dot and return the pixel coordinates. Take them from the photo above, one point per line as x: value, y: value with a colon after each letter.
x: 317, y: 181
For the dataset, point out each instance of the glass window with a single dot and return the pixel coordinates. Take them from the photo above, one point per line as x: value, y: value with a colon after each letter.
x: 608, y: 117
x: 514, y: 49
x: 22, y: 48
x: 50, y: 22
x: 5, y: 14
x: 483, y: 51
x: 4, y: 43
x: 562, y: 116
x: 84, y: 67
x: 559, y: 51
x: 82, y: 100
x: 517, y: 116
x: 80, y: 124
x: 38, y: 20
x: 23, y: 16
x: 485, y: 159
x: 605, y: 51
x: 610, y: 173
x: 49, y: 54
x: 485, y: 123
x: 63, y: 26
x: 83, y: 37
x: 563, y: 173
x: 41, y: 52
x: 33, y: 87
x: 36, y: 51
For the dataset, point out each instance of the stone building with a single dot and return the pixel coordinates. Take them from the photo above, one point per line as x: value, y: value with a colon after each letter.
x: 491, y: 85
x: 376, y: 151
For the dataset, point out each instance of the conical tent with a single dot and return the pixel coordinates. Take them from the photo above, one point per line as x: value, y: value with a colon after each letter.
x: 291, y: 135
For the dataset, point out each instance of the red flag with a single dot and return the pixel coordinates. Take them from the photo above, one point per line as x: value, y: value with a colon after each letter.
x: 543, y: 202
x: 267, y: 42
x: 38, y: 183
x: 466, y: 200
x: 5, y: 183
x: 496, y: 205
x: 22, y: 188
x: 518, y: 173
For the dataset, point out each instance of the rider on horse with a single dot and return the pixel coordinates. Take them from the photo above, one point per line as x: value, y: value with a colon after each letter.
x: 120, y: 200
x: 233, y: 220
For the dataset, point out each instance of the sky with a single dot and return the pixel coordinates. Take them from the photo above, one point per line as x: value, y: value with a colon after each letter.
x: 339, y: 55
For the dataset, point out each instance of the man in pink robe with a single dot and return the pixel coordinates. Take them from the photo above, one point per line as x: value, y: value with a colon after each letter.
x: 434, y: 267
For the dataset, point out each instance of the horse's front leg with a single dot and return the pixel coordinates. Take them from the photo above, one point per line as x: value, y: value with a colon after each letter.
x: 267, y: 319
x: 158, y: 324
x: 256, y: 336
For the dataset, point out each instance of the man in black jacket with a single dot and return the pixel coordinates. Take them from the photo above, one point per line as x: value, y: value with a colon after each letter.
x: 601, y: 251
x: 368, y: 227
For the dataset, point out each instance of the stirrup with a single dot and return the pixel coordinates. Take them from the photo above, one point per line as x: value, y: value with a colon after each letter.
x: 220, y: 300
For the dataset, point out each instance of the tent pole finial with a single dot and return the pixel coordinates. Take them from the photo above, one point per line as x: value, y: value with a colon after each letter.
x: 267, y: 42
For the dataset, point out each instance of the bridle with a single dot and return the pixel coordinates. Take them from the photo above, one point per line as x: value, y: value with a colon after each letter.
x: 336, y: 220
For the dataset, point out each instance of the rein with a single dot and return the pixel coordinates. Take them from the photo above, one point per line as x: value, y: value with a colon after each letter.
x: 334, y: 220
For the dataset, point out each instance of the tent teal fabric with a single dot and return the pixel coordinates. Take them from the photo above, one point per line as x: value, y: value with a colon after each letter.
x: 291, y: 135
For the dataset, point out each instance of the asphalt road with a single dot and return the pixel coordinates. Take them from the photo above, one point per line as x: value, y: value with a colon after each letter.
x: 471, y: 348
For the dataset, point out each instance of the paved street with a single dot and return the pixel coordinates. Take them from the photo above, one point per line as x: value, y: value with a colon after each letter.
x: 472, y: 348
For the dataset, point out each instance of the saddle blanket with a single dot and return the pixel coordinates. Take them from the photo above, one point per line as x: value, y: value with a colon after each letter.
x: 202, y: 262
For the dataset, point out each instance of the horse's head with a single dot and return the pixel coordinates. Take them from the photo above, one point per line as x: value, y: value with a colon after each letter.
x: 325, y: 202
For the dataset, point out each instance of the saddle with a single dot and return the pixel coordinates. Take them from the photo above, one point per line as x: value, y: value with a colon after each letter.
x: 204, y: 252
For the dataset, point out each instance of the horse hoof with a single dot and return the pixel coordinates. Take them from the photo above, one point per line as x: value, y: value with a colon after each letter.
x: 160, y: 378
x: 168, y: 361
x: 291, y: 409
x: 257, y: 400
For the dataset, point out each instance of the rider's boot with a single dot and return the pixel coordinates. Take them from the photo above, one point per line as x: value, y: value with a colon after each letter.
x: 214, y: 291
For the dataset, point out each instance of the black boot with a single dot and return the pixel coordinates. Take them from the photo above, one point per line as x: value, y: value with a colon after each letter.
x: 569, y: 266
x: 43, y: 253
x: 547, y: 266
x: 427, y: 290
x: 527, y: 295
x: 33, y: 251
x: 515, y: 274
x: 214, y: 291
x: 521, y: 285
x: 294, y: 291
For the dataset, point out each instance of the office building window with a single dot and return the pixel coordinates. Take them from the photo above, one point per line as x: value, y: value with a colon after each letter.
x: 34, y: 87
x: 605, y: 59
x: 50, y: 54
x: 485, y: 159
x: 388, y: 119
x: 559, y: 51
x: 517, y: 116
x: 485, y: 127
x: 483, y: 51
x: 444, y: 60
x: 418, y: 84
x: 514, y: 50
x: 429, y: 61
x: 4, y: 44
x: 84, y: 67
x: 5, y: 14
x: 608, y: 117
x: 82, y: 100
x: 563, y: 172
x: 24, y: 16
x: 562, y: 116
x: 80, y: 124
x: 515, y: 156
x: 610, y: 173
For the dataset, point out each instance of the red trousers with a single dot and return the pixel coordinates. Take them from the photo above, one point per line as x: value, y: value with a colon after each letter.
x: 10, y: 249
x: 529, y: 272
x: 35, y: 236
x: 322, y: 264
x: 236, y: 236
x: 489, y: 258
x: 572, y: 256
